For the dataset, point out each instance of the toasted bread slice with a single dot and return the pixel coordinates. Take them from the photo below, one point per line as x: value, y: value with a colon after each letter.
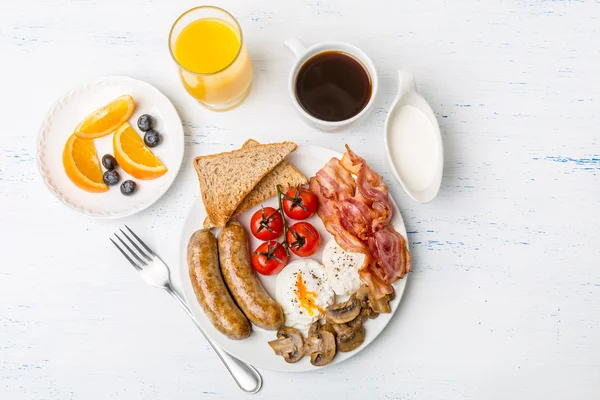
x: 284, y: 174
x: 227, y: 178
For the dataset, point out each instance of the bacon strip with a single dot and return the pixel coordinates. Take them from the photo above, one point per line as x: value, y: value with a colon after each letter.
x: 388, y: 247
x: 371, y: 187
x: 336, y: 183
x: 331, y: 220
x: 355, y: 216
x: 357, y: 213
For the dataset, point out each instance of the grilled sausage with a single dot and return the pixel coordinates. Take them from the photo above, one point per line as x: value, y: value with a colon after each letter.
x: 242, y: 281
x: 211, y: 292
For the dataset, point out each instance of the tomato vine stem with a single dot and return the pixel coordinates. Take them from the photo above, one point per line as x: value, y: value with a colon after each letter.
x: 285, y: 226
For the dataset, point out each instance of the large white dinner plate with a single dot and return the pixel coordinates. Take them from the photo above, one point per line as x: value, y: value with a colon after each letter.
x: 72, y: 108
x: 255, y: 349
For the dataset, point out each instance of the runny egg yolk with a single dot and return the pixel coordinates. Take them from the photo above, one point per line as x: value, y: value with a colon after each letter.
x: 307, y: 298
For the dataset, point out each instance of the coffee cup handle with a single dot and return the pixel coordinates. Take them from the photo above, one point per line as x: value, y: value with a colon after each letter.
x: 295, y: 46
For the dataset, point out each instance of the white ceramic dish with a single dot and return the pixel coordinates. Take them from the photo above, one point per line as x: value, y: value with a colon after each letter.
x: 303, y: 54
x: 72, y: 108
x: 415, y: 155
x: 255, y: 350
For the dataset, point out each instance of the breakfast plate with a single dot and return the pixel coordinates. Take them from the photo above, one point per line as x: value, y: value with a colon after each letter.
x: 255, y: 349
x: 71, y: 109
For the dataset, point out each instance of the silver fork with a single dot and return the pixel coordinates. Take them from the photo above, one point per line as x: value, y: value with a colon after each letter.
x: 156, y: 273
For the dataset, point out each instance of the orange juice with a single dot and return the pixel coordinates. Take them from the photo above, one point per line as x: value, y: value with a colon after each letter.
x: 213, y: 60
x: 207, y: 46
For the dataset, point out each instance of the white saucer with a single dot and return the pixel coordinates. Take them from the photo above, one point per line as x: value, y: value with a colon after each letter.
x: 71, y: 109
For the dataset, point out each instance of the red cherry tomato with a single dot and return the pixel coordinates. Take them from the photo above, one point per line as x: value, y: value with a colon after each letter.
x: 266, y: 224
x: 299, y: 203
x: 269, y: 258
x: 303, y: 239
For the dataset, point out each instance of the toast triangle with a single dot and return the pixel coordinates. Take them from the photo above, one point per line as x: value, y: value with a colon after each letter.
x: 227, y: 178
x: 284, y: 174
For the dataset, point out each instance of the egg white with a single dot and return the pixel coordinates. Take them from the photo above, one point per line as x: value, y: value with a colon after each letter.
x: 342, y: 268
x: 315, y: 279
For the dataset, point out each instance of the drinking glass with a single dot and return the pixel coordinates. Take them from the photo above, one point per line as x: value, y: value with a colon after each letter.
x: 219, y: 90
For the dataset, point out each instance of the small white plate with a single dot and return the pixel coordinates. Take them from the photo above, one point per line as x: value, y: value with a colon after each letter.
x: 255, y: 350
x: 71, y: 109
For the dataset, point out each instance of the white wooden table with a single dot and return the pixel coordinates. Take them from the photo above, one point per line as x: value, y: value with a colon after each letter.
x: 504, y: 299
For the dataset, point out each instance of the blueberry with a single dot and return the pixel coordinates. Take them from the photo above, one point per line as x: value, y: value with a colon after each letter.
x: 109, y: 162
x: 128, y: 188
x: 111, y: 177
x: 145, y: 122
x: 152, y: 138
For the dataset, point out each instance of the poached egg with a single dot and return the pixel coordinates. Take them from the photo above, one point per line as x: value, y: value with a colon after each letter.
x: 303, y: 290
x: 342, y: 268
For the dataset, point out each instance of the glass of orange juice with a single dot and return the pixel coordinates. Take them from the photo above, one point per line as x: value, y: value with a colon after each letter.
x: 214, y: 65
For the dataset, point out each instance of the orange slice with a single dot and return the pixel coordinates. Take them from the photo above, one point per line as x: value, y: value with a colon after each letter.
x: 81, y: 165
x: 107, y: 119
x: 133, y: 156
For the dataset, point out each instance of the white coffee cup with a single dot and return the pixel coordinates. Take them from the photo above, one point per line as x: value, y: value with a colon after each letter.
x: 303, y: 54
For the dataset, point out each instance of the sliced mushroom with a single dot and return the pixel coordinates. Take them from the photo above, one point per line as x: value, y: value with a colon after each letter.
x: 341, y: 313
x: 347, y: 337
x: 369, y: 313
x: 372, y: 314
x: 329, y: 328
x: 363, y: 295
x: 391, y: 296
x: 339, y: 329
x: 289, y: 344
x: 350, y: 338
x: 314, y: 328
x: 381, y: 305
x: 321, y: 348
x: 365, y: 314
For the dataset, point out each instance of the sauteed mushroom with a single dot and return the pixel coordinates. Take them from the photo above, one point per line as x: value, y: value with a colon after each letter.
x: 350, y: 337
x: 363, y: 295
x: 365, y: 314
x: 383, y: 304
x: 343, y: 330
x: 370, y: 313
x: 321, y: 348
x: 314, y: 328
x: 347, y: 336
x: 289, y: 344
x: 329, y: 328
x: 340, y: 313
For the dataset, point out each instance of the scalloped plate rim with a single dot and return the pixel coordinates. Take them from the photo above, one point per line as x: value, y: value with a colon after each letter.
x: 41, y: 144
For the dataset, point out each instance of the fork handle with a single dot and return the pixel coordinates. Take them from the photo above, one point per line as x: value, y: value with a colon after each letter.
x: 245, y: 375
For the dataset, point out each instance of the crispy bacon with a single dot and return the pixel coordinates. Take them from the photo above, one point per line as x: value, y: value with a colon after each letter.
x: 347, y: 240
x: 355, y: 216
x: 331, y: 220
x: 357, y: 213
x: 388, y: 247
x: 336, y: 183
x: 370, y: 187
x: 325, y: 207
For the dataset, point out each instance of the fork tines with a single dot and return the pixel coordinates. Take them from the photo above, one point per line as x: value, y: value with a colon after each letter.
x: 139, y: 258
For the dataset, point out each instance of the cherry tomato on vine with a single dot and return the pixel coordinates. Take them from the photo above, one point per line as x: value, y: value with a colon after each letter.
x: 269, y: 258
x: 299, y: 203
x: 303, y: 239
x: 266, y: 224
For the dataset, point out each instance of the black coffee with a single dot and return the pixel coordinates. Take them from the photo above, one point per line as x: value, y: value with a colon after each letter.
x: 333, y: 86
